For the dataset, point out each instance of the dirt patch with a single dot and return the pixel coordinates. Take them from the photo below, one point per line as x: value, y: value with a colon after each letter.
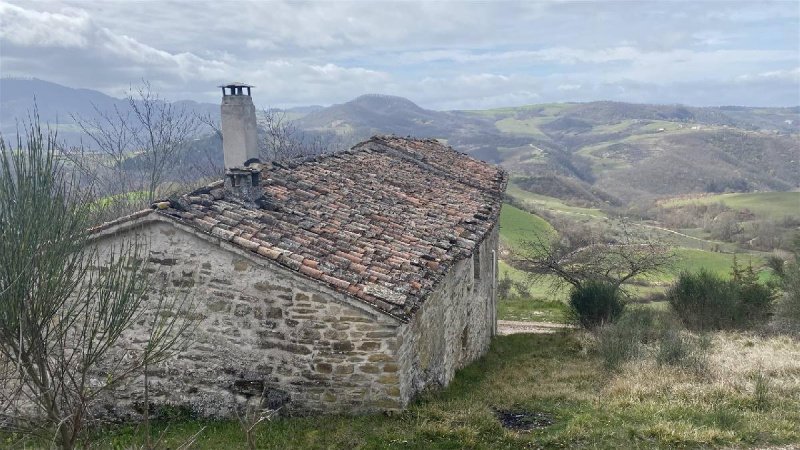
x: 505, y: 327
x: 520, y: 420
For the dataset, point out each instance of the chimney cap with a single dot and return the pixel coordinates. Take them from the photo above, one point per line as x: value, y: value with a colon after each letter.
x: 235, y: 84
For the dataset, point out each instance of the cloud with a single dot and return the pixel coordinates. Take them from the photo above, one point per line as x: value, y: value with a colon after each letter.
x: 34, y: 28
x: 791, y: 75
x: 98, y: 57
x: 440, y: 54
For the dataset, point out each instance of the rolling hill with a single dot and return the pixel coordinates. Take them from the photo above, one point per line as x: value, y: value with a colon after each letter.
x: 596, y: 153
x: 599, y: 152
x: 56, y: 104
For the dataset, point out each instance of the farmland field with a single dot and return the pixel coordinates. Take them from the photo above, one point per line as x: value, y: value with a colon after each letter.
x: 517, y: 226
x: 773, y: 205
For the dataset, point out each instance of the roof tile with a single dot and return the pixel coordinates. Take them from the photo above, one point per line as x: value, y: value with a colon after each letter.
x: 382, y: 222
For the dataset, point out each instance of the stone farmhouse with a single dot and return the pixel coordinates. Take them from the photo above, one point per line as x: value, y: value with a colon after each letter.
x: 346, y: 283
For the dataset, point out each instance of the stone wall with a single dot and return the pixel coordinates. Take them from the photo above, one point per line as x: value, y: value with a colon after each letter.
x: 454, y: 326
x: 261, y: 328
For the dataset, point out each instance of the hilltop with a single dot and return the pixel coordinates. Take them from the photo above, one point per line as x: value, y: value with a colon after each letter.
x: 599, y: 153
x: 56, y: 104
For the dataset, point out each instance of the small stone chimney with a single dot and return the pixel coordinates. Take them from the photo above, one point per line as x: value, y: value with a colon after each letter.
x: 240, y: 142
x: 239, y: 133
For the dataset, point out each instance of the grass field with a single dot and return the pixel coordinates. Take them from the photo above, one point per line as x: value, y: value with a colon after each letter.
x: 560, y: 378
x: 550, y: 203
x: 518, y: 226
x: 526, y: 309
x: 772, y: 205
x: 544, y: 109
x: 692, y: 260
x: 528, y: 127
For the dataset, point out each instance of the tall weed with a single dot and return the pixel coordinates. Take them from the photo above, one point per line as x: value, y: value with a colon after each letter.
x: 683, y: 350
x: 627, y: 338
x: 761, y: 391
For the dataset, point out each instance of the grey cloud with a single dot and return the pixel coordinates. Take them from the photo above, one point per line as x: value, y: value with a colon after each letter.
x: 440, y: 54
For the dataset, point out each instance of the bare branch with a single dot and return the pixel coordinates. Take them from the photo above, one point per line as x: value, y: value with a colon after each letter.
x: 581, y: 254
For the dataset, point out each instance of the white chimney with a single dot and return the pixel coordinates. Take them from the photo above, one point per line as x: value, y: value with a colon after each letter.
x: 239, y: 133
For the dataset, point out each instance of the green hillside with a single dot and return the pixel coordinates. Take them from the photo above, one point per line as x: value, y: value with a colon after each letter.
x: 518, y: 226
x: 772, y: 205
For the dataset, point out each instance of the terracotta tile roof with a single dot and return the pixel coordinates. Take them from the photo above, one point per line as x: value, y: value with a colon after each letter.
x: 383, y: 221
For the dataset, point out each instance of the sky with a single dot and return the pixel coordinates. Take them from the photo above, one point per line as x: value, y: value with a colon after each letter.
x: 440, y: 54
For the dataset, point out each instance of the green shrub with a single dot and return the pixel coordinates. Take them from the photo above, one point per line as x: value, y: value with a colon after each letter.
x: 788, y: 274
x: 756, y: 301
x: 706, y: 301
x: 790, y: 304
x: 643, y: 331
x: 595, y: 303
x: 701, y: 300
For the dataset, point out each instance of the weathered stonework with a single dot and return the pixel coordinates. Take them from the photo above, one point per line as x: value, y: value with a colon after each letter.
x: 260, y: 329
x: 347, y: 282
x: 266, y: 332
x: 454, y: 326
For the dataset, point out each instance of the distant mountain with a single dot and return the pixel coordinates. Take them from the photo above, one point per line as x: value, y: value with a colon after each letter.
x: 598, y: 152
x: 611, y: 150
x: 374, y: 113
x: 304, y: 109
x: 632, y: 151
x: 56, y: 104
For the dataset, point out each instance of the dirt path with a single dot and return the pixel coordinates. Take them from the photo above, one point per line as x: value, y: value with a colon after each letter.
x: 505, y: 327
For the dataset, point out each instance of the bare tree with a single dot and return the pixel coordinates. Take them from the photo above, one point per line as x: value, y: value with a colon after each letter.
x: 63, y: 303
x: 137, y: 146
x: 207, y: 162
x: 283, y: 140
x: 580, y: 254
x: 163, y: 130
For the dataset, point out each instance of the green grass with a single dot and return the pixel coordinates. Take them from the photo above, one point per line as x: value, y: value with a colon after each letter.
x: 536, y: 304
x: 771, y: 205
x: 692, y: 260
x: 641, y: 406
x: 528, y: 127
x: 550, y: 203
x: 518, y: 226
x: 528, y: 309
x: 537, y: 291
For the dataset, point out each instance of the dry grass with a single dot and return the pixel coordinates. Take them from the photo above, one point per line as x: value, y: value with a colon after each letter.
x: 641, y: 405
x: 750, y: 387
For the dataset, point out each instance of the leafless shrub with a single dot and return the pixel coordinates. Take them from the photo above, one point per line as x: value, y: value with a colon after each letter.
x: 582, y: 254
x: 136, y: 148
x: 251, y: 417
x: 63, y: 303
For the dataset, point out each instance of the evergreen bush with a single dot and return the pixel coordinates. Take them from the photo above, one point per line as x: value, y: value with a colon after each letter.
x: 595, y: 303
x: 706, y: 301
